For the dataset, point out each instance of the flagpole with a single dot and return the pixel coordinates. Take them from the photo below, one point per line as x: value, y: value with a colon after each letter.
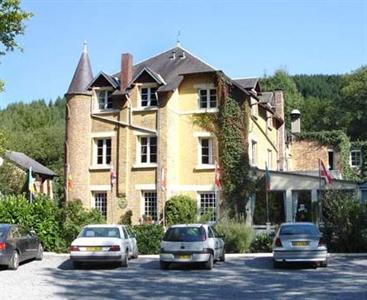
x: 320, y: 195
x: 267, y: 199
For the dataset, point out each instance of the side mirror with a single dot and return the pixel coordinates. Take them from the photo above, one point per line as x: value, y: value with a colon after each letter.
x: 33, y: 233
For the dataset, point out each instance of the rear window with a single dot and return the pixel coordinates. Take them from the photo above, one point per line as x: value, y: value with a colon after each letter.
x: 299, y: 229
x: 185, y: 234
x: 2, y: 233
x: 91, y: 232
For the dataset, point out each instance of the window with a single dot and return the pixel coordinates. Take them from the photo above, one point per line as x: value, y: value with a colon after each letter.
x: 208, y: 205
x: 206, y: 151
x: 331, y: 159
x: 355, y: 158
x: 254, y: 108
x: 253, y: 153
x: 104, y: 99
x: 270, y: 159
x: 148, y: 96
x: 208, y: 98
x: 103, y: 151
x: 148, y: 149
x: 269, y: 121
x: 150, y: 205
x: 100, y: 202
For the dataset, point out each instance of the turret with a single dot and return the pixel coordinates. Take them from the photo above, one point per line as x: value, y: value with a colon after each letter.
x: 78, y: 132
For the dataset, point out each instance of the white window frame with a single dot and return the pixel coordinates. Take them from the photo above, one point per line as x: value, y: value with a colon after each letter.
x: 149, y: 96
x: 144, y: 206
x: 104, y: 151
x: 208, y: 90
x: 105, y: 99
x: 253, y: 153
x: 139, y: 153
x: 94, y: 199
x: 351, y: 158
x: 202, y: 210
x: 200, y: 152
x: 254, y: 108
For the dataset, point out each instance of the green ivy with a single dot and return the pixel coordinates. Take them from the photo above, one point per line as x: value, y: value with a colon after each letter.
x: 230, y: 126
x: 362, y: 145
x: 340, y: 141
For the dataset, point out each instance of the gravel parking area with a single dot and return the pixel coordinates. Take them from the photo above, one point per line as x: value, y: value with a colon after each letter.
x: 237, y: 278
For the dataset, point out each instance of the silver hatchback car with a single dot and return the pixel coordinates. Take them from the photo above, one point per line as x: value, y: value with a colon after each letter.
x: 191, y: 243
x: 299, y: 242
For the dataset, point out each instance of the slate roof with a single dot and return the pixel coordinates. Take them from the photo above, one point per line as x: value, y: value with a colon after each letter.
x: 83, y: 76
x: 25, y: 162
x: 172, y: 70
x: 247, y: 83
x: 267, y: 97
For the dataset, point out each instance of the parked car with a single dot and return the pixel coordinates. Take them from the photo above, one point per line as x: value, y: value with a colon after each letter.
x: 103, y: 243
x: 191, y: 243
x: 18, y: 244
x: 299, y: 242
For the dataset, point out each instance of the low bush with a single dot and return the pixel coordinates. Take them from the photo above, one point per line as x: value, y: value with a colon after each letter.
x: 148, y: 237
x: 262, y: 243
x: 181, y: 209
x: 237, y: 235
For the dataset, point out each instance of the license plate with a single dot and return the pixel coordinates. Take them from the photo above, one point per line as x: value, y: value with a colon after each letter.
x: 300, y: 243
x: 94, y: 249
x: 183, y: 256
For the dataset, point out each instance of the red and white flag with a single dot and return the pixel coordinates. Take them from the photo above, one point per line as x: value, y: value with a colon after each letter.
x: 163, y: 179
x: 113, y: 175
x: 325, y: 173
x: 217, y: 178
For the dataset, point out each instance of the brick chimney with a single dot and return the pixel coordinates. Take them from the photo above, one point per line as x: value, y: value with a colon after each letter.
x: 126, y: 73
x: 279, y: 109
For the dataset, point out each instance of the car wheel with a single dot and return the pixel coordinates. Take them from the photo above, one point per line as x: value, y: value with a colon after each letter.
x: 77, y: 264
x: 39, y: 253
x: 323, y: 264
x: 164, y: 265
x: 223, y: 257
x: 277, y: 264
x: 14, y: 261
x: 124, y: 260
x: 209, y: 263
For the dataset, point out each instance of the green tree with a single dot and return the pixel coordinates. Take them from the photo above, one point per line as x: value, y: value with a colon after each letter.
x: 292, y: 98
x: 12, y: 19
x: 354, y: 103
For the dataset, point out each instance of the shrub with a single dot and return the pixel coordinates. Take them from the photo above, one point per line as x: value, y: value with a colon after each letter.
x: 75, y: 216
x: 148, y: 238
x: 345, y: 222
x: 237, y: 235
x: 261, y: 243
x: 126, y: 218
x: 181, y: 209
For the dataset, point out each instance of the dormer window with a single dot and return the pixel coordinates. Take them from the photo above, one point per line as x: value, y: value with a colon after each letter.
x: 207, y: 98
x: 104, y: 99
x: 148, y: 96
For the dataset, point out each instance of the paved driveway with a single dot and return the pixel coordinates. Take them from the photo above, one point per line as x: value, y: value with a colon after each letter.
x: 237, y: 278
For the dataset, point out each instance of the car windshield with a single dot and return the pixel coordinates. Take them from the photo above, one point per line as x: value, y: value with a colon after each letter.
x: 185, y: 234
x: 91, y: 232
x: 299, y: 229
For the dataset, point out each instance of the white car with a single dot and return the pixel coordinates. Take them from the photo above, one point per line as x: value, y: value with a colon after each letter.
x: 191, y: 243
x: 103, y: 243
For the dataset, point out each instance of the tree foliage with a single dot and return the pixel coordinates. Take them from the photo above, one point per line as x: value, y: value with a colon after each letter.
x: 12, y: 19
x: 181, y: 209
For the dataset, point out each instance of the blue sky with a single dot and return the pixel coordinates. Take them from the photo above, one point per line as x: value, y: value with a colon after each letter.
x: 242, y: 38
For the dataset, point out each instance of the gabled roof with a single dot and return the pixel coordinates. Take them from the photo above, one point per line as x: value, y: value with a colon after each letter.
x: 267, y: 97
x: 170, y: 65
x: 247, y: 83
x: 155, y: 76
x: 110, y: 79
x: 25, y: 162
x: 82, y: 77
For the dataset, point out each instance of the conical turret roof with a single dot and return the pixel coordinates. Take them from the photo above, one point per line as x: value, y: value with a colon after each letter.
x: 83, y: 75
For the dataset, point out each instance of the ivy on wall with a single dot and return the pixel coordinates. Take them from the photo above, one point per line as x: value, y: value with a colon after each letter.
x: 362, y: 145
x: 341, y: 143
x: 230, y: 126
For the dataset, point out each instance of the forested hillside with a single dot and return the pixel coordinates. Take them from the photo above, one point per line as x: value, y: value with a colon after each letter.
x: 38, y: 130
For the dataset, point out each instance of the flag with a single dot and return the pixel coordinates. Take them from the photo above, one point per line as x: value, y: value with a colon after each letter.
x: 267, y: 177
x: 325, y: 173
x: 113, y: 175
x: 163, y: 179
x: 217, y: 176
x: 30, y: 181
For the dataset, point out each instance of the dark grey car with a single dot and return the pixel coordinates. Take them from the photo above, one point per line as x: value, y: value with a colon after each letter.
x: 17, y: 244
